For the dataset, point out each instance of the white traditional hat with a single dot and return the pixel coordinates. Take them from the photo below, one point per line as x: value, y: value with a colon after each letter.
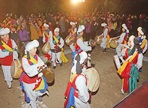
x: 80, y: 28
x: 56, y: 29
x: 31, y: 45
x: 103, y: 24
x: 139, y: 29
x: 4, y: 31
x: 46, y: 25
x: 83, y: 56
x: 73, y: 23
x: 125, y: 27
x: 131, y: 38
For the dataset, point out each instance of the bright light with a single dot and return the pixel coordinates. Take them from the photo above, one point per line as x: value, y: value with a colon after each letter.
x: 75, y: 1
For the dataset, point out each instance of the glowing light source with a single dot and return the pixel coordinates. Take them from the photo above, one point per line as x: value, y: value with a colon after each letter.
x: 75, y: 1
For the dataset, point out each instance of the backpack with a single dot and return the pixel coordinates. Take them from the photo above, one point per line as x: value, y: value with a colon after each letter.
x: 70, y: 93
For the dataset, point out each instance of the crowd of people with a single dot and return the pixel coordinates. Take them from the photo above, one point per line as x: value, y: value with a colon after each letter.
x: 79, y: 33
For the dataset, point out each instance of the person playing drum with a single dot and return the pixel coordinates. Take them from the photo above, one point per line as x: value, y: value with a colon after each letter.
x: 82, y: 45
x: 142, y: 39
x: 32, y: 81
x: 56, y: 45
x: 122, y: 41
x: 133, y: 62
x: 73, y: 32
x: 81, y: 95
x: 8, y: 52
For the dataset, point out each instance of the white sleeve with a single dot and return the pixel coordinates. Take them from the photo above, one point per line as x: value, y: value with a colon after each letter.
x: 61, y: 43
x: 120, y: 40
x: 15, y: 53
x: 31, y: 70
x: 140, y: 61
x: 80, y: 83
x: 83, y: 46
x: 105, y: 33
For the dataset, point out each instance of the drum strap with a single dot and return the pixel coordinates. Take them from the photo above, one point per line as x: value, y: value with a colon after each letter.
x: 33, y: 60
x: 7, y: 47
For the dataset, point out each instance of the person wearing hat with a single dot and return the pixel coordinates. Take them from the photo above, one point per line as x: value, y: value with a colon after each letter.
x: 82, y: 45
x: 32, y: 81
x: 122, y: 41
x: 47, y: 33
x: 8, y: 52
x: 72, y: 37
x: 104, y: 35
x: 56, y: 45
x: 129, y: 69
x: 81, y: 95
x: 142, y: 39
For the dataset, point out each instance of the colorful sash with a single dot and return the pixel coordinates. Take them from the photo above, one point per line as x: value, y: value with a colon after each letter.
x: 8, y: 48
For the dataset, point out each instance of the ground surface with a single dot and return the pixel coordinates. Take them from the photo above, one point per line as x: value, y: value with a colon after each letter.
x: 107, y: 96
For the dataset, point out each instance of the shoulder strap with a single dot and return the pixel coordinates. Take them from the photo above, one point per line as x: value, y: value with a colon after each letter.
x: 73, y: 82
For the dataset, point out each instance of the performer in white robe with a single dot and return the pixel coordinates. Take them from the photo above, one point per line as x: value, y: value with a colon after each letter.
x: 8, y: 52
x: 82, y: 97
x: 56, y: 45
x: 33, y: 82
x: 104, y: 35
x: 122, y: 41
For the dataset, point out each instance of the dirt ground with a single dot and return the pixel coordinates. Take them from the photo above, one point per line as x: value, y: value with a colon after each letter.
x: 107, y: 96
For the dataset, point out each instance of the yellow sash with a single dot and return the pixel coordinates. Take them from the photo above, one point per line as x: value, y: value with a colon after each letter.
x: 32, y: 59
x: 143, y: 43
x: 55, y: 39
x: 46, y: 34
x: 7, y: 47
x: 121, y: 69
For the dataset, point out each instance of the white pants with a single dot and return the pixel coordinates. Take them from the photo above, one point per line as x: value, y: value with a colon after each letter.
x: 32, y: 94
x: 103, y: 44
x: 7, y: 74
x: 55, y: 57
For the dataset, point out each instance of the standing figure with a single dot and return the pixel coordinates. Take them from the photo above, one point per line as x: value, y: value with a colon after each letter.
x: 56, y: 45
x: 122, y: 41
x: 8, y: 52
x: 33, y: 82
x: 105, y: 37
x: 47, y: 33
x: 79, y: 96
x: 133, y: 62
x: 142, y: 39
x: 82, y: 45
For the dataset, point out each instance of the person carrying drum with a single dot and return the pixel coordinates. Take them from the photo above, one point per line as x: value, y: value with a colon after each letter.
x: 122, y: 41
x: 8, y: 52
x: 129, y: 69
x: 56, y: 45
x: 81, y: 92
x: 32, y: 81
x: 142, y: 39
x: 82, y: 45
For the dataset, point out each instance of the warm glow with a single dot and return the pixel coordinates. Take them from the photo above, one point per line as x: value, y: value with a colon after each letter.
x: 74, y: 1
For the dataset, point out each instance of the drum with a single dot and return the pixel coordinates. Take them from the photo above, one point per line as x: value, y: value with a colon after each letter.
x: 113, y: 43
x: 16, y: 69
x: 93, y: 79
x: 48, y: 74
x: 69, y: 40
x: 46, y: 48
x: 98, y: 39
x: 117, y: 61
